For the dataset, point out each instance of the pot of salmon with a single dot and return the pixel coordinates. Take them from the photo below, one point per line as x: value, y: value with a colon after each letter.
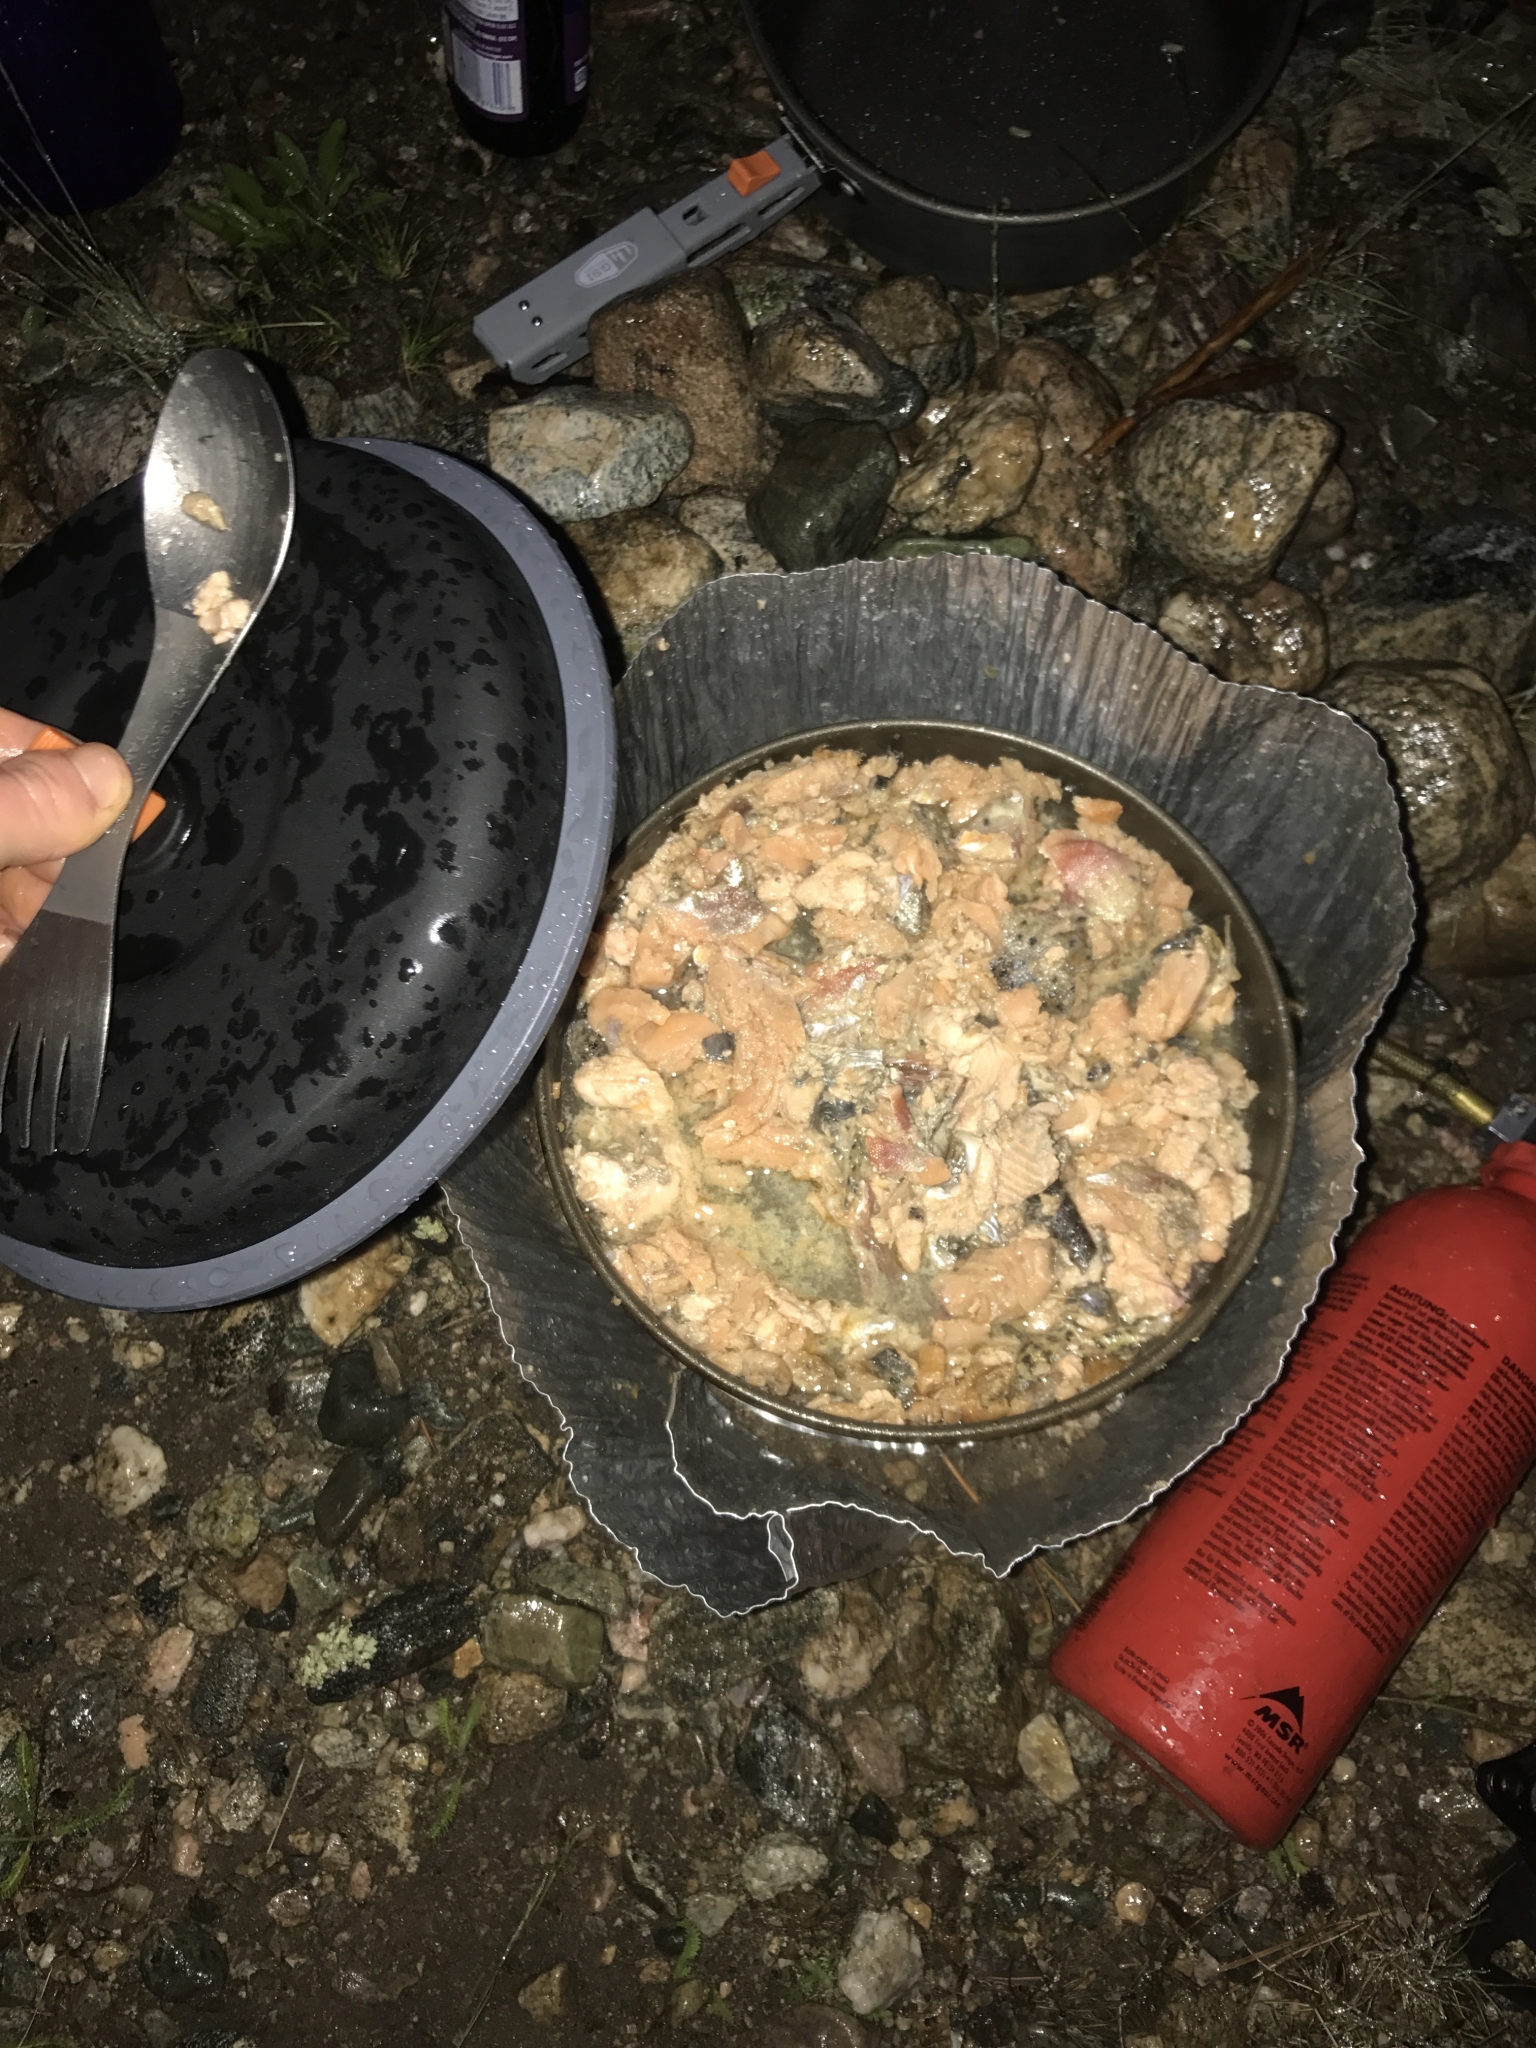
x: 920, y: 1081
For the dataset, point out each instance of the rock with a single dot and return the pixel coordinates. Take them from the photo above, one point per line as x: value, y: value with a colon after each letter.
x: 824, y: 498
x: 874, y: 1819
x: 521, y: 1632
x: 1275, y: 635
x: 130, y: 1470
x: 554, y: 1527
x: 767, y: 286
x: 85, y: 1711
x: 587, y: 1585
x: 184, y: 1964
x: 587, y: 454
x: 1224, y: 489
x: 1490, y: 926
x: 238, y: 1806
x: 1249, y: 205
x: 1134, y: 1903
x: 21, y: 524
x: 93, y: 441
x: 883, y: 1962
x: 973, y: 469
x: 313, y: 1579
x: 166, y: 1665
x: 791, y: 1770
x: 1465, y: 594
x: 321, y: 402
x: 1480, y: 1643
x: 841, y: 1660
x: 545, y: 1999
x: 956, y: 1660
x: 1045, y: 1759
x: 1075, y: 513
x: 227, y: 1517
x: 263, y: 1583
x: 1457, y: 760
x: 203, y: 1612
x: 778, y: 1862
x: 815, y: 2026
x: 817, y: 365
x: 224, y: 1687
x: 695, y: 1656
x: 645, y: 566
x: 356, y: 1484
x: 720, y: 521
x: 385, y: 1811
x: 515, y: 1706
x: 710, y: 1911
x: 1331, y: 513
x: 878, y: 1764
x: 392, y: 413
x: 335, y: 1301
x: 912, y: 321
x: 356, y: 1410
x: 404, y: 1632
x: 686, y: 342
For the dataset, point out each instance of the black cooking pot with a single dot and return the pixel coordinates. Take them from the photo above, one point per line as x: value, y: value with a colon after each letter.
x: 1016, y: 145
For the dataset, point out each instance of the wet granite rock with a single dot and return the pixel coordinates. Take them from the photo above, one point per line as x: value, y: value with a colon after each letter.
x: 768, y: 285
x: 85, y: 1711
x: 224, y: 1687
x: 515, y: 1706
x: 974, y: 468
x: 94, y: 440
x: 227, y: 1517
x: 242, y: 1346
x: 1045, y: 1759
x: 1273, y: 635
x: 912, y: 321
x: 1480, y: 1643
x: 1250, y: 203
x: 587, y: 454
x: 184, y: 1964
x: 720, y: 521
x: 1223, y: 489
x: 820, y: 365
x: 356, y: 1411
x: 587, y: 1585
x: 840, y: 1661
x: 403, y: 1632
x: 1460, y: 769
x: 392, y: 413
x: 1331, y: 513
x: 686, y: 342
x: 336, y: 1300
x: 792, y: 1771
x: 129, y: 1471
x: 522, y: 1632
x: 1465, y: 593
x: 313, y: 1582
x: 815, y: 2026
x: 695, y: 1656
x: 824, y: 498
x: 644, y: 565
x: 779, y: 1862
x: 883, y: 1961
x: 1075, y: 513
x: 321, y: 402
x: 357, y: 1483
x: 1489, y: 927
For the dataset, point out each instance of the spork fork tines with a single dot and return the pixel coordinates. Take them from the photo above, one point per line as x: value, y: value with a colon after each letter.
x: 62, y: 967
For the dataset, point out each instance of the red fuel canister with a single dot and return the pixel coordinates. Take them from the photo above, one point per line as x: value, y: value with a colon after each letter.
x: 1249, y: 1626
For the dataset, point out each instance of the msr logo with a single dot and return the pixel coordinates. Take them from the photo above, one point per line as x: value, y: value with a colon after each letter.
x: 607, y: 263
x: 1283, y: 1711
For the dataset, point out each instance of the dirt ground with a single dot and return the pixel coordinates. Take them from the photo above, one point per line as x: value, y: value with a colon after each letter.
x: 273, y: 1871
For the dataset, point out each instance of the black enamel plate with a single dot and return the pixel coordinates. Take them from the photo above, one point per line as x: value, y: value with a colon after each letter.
x: 383, y: 840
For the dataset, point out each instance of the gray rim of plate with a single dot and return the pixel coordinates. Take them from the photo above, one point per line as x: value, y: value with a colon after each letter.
x: 520, y: 1025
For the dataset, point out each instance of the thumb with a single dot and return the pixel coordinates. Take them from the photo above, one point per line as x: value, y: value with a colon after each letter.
x: 52, y: 805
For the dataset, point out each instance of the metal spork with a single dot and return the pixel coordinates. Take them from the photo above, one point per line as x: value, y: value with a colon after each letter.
x: 218, y: 511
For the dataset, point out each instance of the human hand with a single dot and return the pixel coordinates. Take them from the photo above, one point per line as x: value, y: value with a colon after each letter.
x: 51, y: 805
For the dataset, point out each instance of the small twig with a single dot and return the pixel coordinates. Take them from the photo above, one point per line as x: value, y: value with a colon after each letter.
x: 536, y: 1899
x: 298, y: 1773
x: 959, y: 1478
x: 1060, y: 1584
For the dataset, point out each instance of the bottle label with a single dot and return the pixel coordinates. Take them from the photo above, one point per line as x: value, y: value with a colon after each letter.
x: 578, y: 37
x: 485, y: 50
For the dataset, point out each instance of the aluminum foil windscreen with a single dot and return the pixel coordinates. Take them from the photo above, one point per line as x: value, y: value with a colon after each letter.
x: 1289, y: 796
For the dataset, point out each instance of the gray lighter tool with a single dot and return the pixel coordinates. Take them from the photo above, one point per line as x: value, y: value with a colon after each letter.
x: 542, y: 326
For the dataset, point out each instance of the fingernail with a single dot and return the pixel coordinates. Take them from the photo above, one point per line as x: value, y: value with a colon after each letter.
x: 105, y: 774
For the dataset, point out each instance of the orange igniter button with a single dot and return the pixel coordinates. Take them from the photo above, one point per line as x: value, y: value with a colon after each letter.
x: 51, y: 741
x: 750, y: 174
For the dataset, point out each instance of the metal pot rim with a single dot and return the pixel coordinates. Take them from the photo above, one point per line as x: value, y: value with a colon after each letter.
x: 1268, y: 1010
